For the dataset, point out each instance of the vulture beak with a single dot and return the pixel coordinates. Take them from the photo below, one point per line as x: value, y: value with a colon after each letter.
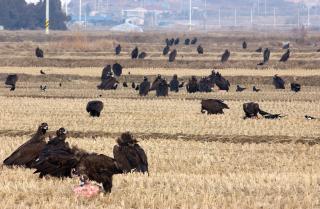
x: 65, y: 131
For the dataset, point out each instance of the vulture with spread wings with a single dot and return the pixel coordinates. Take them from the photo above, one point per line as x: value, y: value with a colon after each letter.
x: 27, y: 153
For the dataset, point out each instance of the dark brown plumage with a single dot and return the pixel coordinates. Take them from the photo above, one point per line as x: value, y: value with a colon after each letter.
x: 165, y: 50
x: 194, y: 41
x: 225, y: 56
x: 27, y: 153
x: 11, y: 80
x: 162, y: 89
x: 278, y: 82
x: 156, y: 83
x: 144, y: 87
x: 252, y: 109
x: 117, y: 69
x: 142, y: 55
x: 94, y: 108
x: 172, y: 55
x: 118, y: 49
x: 39, y: 53
x: 135, y: 53
x: 285, y: 57
x: 192, y: 86
x: 244, y: 45
x: 213, y: 106
x: 200, y: 49
x: 130, y: 157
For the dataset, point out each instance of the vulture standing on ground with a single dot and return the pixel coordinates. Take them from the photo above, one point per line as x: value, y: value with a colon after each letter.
x: 142, y: 55
x: 295, y: 87
x: 166, y: 50
x: 220, y: 81
x: 225, y: 56
x: 117, y: 49
x: 39, y: 53
x: 162, y: 89
x: 240, y: 89
x: 205, y: 85
x: 213, y: 106
x: 285, y: 56
x: 135, y: 53
x: 156, y: 83
x: 11, y: 81
x: 117, y: 69
x: 194, y: 40
x: 244, y: 45
x: 278, y: 82
x: 144, y: 87
x: 192, y: 86
x: 172, y: 55
x: 106, y: 72
x: 200, y: 49
x: 27, y: 153
x: 266, y: 56
x: 130, y: 157
x: 42, y: 72
x: 94, y: 108
x: 252, y: 109
x: 174, y: 84
x: 176, y: 42
x: 187, y: 41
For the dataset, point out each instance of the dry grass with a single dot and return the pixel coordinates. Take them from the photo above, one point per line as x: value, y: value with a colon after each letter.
x: 182, y: 175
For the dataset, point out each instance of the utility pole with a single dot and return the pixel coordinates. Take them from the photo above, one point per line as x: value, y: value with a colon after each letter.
x: 235, y: 17
x: 251, y: 17
x: 308, y: 16
x: 274, y: 17
x: 190, y: 14
x: 265, y: 7
x: 219, y: 17
x: 205, y: 15
x: 80, y: 10
x: 66, y: 5
x: 258, y: 7
x: 299, y: 17
x: 47, y: 23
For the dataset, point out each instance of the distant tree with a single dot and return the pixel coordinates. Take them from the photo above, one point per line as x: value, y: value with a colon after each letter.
x: 17, y: 14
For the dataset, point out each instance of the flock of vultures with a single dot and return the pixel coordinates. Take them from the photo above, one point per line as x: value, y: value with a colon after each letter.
x: 55, y: 157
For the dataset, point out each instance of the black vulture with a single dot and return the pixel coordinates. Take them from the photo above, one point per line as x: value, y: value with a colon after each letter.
x: 106, y: 72
x: 167, y: 42
x: 295, y: 87
x: 174, y: 84
x: 176, y: 41
x: 27, y: 153
x: 171, y: 41
x: 162, y: 88
x: 135, y: 53
x: 194, y: 40
x: 166, y: 50
x: 286, y: 46
x: 213, y: 106
x: 244, y: 45
x: 130, y: 157
x: 278, y: 82
x: 266, y: 56
x: 187, y: 41
x: 144, y: 87
x: 11, y: 80
x: 142, y: 55
x: 200, y: 49
x: 59, y: 160
x: 117, y: 49
x: 124, y: 84
x: 172, y: 55
x: 94, y: 108
x: 39, y: 53
x: 220, y: 81
x: 192, y: 86
x: 240, y: 89
x: 252, y: 109
x: 205, y: 85
x: 285, y: 56
x: 117, y: 69
x: 225, y: 56
x: 108, y: 83
x: 137, y: 87
x: 254, y: 88
x: 156, y: 82
x: 42, y: 72
x: 259, y: 50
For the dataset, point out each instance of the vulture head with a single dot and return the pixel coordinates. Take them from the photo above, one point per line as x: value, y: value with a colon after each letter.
x: 126, y: 139
x: 43, y: 128
x: 62, y: 133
